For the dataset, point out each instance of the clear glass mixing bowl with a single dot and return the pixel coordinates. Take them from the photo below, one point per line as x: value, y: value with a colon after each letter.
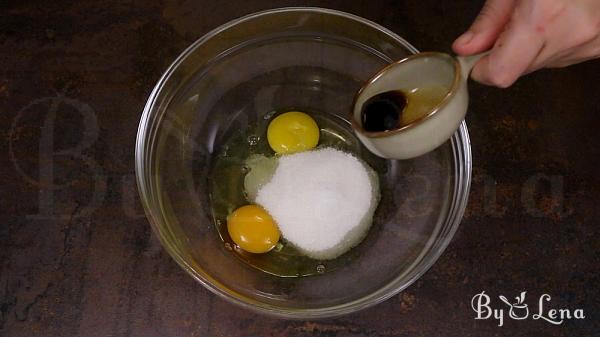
x: 306, y: 58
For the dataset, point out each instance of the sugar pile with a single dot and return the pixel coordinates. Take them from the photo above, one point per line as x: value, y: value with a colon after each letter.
x: 323, y: 201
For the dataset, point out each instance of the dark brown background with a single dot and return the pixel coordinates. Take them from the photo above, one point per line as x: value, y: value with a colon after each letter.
x: 77, y: 257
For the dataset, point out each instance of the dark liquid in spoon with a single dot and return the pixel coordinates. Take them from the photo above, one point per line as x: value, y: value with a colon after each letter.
x: 383, y: 112
x: 392, y: 110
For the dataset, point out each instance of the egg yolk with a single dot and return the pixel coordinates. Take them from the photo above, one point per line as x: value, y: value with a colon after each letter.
x: 293, y: 132
x: 253, y: 229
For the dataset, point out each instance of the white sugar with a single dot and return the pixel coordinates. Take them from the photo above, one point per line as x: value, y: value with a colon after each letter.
x: 323, y: 201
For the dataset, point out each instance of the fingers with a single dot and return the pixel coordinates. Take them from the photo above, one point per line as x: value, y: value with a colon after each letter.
x: 586, y: 53
x: 512, y: 55
x: 530, y: 34
x: 571, y: 38
x: 486, y: 28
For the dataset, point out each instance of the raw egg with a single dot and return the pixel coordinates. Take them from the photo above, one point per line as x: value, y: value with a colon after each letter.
x: 253, y: 229
x: 291, y: 132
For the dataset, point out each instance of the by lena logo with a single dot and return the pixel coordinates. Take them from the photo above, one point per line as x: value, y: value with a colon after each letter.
x: 519, y: 310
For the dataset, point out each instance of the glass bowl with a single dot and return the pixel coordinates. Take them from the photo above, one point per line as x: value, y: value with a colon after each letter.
x: 309, y: 59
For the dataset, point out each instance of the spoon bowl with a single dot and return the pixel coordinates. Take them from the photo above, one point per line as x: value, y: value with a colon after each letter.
x: 433, y: 128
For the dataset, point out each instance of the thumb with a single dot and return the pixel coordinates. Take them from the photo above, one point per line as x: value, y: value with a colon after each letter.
x: 486, y: 28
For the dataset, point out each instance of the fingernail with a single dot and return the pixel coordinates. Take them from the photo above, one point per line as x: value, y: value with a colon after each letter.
x: 465, y: 38
x: 477, y: 75
x: 480, y: 75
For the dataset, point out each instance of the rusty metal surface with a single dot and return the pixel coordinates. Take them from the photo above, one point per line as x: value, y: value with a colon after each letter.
x: 77, y: 257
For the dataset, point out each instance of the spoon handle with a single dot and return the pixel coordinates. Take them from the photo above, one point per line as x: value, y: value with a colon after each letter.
x: 468, y: 62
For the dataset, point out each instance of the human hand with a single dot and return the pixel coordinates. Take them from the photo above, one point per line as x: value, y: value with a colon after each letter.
x: 527, y: 35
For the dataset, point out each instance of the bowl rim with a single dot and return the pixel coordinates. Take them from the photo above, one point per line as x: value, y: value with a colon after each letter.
x: 461, y: 147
